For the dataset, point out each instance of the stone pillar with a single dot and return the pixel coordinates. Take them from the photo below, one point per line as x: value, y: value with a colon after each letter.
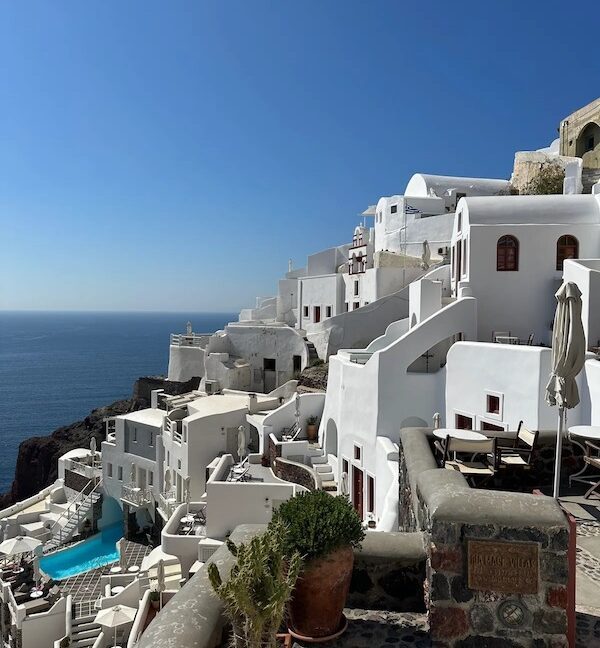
x: 498, y: 582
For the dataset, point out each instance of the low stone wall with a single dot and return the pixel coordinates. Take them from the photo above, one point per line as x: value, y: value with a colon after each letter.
x: 294, y: 472
x: 389, y: 572
x: 78, y: 482
x: 497, y: 563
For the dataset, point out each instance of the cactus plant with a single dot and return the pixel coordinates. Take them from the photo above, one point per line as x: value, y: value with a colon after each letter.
x: 258, y: 588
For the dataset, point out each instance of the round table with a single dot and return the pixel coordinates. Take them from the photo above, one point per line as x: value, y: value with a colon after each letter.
x: 117, y: 589
x: 115, y: 570
x: 583, y: 432
x: 36, y: 594
x: 465, y: 435
x: 133, y: 569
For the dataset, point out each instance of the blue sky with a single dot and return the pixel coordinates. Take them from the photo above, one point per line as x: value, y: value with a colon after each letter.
x: 173, y: 156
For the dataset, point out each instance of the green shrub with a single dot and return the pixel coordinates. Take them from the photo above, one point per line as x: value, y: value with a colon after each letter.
x: 318, y: 524
x: 549, y: 180
x: 258, y: 588
x: 317, y: 362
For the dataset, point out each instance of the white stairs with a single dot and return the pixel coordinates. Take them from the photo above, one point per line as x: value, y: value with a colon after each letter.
x: 84, y: 632
x: 68, y: 523
x: 318, y: 460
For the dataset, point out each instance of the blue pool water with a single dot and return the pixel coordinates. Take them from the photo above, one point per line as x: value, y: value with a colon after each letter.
x: 94, y: 552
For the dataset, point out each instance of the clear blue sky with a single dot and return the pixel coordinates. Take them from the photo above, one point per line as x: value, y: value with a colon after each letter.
x: 173, y: 155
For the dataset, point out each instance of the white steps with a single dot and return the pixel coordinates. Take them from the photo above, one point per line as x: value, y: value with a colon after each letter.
x: 84, y: 632
x: 321, y: 465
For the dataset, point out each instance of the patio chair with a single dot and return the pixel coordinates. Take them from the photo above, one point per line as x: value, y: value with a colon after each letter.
x: 499, y: 334
x: 476, y: 472
x: 518, y: 455
x: 592, y: 458
x: 530, y: 340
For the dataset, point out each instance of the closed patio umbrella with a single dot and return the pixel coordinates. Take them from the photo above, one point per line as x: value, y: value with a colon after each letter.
x: 115, y: 616
x: 426, y: 256
x: 19, y: 545
x: 36, y: 570
x: 132, y: 475
x: 188, y: 495
x: 344, y: 485
x: 568, y: 358
x: 93, y: 449
x: 167, y: 480
x: 122, y: 554
x: 160, y: 579
x: 241, y: 442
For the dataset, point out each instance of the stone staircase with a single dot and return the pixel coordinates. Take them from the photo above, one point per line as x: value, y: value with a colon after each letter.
x: 68, y: 524
x: 312, y: 351
x: 319, y: 463
x: 84, y: 632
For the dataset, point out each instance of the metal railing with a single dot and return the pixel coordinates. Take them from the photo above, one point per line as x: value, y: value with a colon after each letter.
x: 85, y: 608
x: 193, y: 339
x: 167, y: 503
x: 136, y: 495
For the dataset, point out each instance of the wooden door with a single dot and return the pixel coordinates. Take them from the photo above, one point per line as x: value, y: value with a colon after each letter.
x: 357, y: 491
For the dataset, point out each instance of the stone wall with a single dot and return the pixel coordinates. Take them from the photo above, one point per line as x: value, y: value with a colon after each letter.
x: 78, y: 482
x: 389, y: 572
x: 496, y: 609
x: 294, y: 472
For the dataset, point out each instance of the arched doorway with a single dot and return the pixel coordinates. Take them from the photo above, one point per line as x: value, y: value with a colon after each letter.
x: 331, y: 438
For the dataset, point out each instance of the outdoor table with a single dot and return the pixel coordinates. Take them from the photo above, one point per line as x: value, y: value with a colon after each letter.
x: 36, y: 594
x: 117, y: 589
x: 115, y: 570
x: 17, y: 570
x: 133, y: 569
x: 465, y: 435
x: 584, y: 432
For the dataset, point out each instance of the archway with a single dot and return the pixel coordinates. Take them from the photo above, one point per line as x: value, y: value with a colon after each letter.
x: 331, y: 438
x: 588, y: 144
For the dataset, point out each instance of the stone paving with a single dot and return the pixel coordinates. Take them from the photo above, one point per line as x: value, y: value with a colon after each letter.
x: 376, y: 628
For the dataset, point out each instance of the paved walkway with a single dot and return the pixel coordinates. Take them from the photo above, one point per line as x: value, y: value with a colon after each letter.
x: 86, y: 586
x: 379, y: 629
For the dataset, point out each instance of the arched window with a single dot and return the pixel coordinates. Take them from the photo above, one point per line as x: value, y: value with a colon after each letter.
x: 567, y: 247
x: 507, y: 254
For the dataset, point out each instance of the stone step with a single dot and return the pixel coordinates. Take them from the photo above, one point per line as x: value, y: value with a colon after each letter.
x: 323, y: 468
x: 92, y: 633
x: 318, y: 460
x: 329, y: 486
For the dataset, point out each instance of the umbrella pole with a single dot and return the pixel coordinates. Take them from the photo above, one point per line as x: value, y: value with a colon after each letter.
x: 558, y: 458
x: 115, y: 635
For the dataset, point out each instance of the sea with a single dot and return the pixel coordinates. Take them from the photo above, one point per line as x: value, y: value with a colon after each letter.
x: 55, y: 367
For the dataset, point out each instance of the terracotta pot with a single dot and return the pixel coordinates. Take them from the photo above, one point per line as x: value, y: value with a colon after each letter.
x: 311, y: 432
x: 320, y: 594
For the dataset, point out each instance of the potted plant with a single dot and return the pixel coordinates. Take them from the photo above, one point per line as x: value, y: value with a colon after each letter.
x: 258, y: 588
x: 154, y: 598
x: 265, y: 461
x: 311, y: 428
x: 325, y: 530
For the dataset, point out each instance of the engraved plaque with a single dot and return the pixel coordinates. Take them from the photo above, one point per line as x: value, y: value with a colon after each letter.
x: 510, y: 567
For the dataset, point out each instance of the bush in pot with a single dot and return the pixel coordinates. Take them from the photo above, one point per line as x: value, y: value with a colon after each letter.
x: 258, y: 588
x: 311, y: 428
x: 325, y: 530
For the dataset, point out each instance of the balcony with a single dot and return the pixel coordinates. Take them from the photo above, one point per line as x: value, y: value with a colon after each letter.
x: 192, y: 340
x: 167, y: 503
x: 136, y: 496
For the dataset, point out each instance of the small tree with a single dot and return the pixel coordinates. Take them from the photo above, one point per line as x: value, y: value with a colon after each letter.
x: 549, y: 180
x: 258, y: 588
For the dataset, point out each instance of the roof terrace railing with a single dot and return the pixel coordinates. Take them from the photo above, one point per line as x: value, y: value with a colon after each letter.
x: 193, y: 339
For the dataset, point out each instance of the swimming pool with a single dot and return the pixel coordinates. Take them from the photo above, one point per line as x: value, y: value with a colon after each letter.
x: 94, y: 552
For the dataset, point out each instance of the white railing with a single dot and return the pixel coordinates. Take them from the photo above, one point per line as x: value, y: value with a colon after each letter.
x: 88, y: 470
x: 194, y: 339
x: 167, y: 503
x: 56, y: 530
x: 136, y: 495
x: 85, y: 608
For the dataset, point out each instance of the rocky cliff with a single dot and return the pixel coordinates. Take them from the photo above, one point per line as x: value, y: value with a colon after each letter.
x: 37, y: 461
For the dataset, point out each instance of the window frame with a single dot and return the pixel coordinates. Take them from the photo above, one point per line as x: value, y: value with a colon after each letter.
x: 562, y: 247
x: 504, y: 248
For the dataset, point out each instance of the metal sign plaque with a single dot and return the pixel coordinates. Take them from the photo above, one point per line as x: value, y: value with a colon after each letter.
x: 510, y: 567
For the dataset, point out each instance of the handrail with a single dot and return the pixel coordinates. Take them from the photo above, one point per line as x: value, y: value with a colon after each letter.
x: 81, y: 495
x: 84, y: 498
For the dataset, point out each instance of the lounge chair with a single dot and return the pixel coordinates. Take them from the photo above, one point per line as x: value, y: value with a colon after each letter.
x: 519, y: 454
x: 476, y: 472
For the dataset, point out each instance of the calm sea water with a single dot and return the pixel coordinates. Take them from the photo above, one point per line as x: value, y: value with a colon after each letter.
x: 56, y: 367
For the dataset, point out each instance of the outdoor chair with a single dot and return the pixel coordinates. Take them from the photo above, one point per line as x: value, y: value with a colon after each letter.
x: 530, y: 340
x: 592, y: 458
x: 499, y: 334
x: 518, y: 455
x: 475, y: 471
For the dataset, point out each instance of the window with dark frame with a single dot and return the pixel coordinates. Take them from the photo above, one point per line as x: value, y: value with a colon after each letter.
x: 357, y: 452
x: 490, y: 427
x: 507, y: 254
x: 356, y: 305
x: 370, y: 494
x: 355, y: 287
x: 306, y: 311
x: 567, y: 247
x: 297, y: 363
x: 327, y: 311
x: 493, y: 404
x: 463, y: 422
x: 345, y: 466
x: 393, y: 209
x: 269, y: 364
